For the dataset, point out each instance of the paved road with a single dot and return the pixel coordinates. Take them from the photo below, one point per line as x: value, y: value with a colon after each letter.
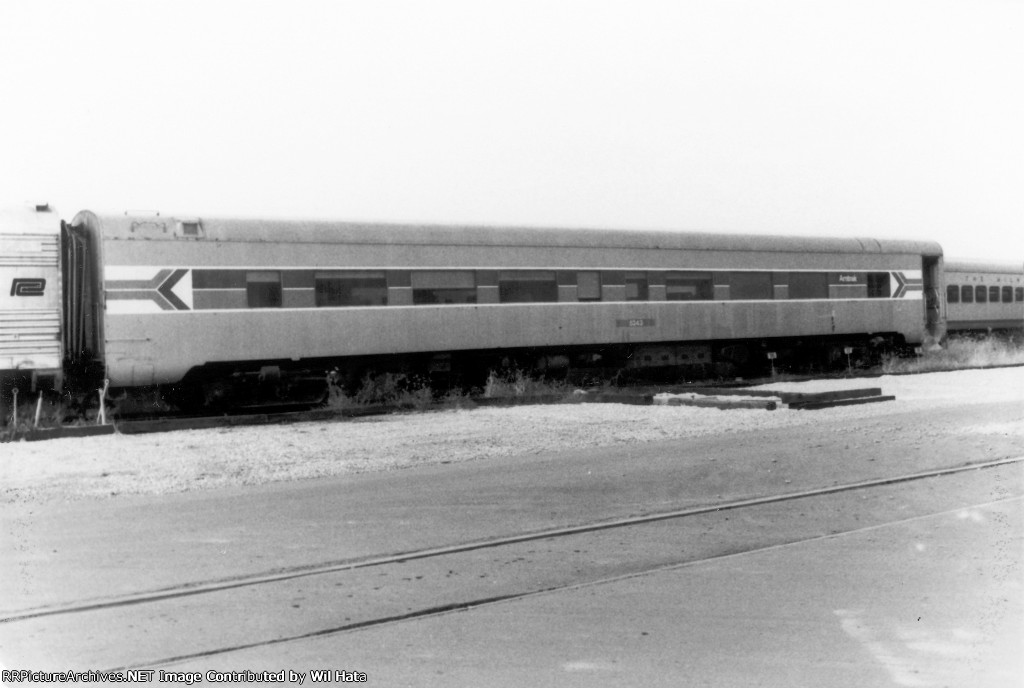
x: 94, y: 550
x: 928, y: 601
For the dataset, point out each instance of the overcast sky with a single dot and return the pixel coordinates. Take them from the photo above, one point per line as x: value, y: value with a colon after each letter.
x: 897, y: 118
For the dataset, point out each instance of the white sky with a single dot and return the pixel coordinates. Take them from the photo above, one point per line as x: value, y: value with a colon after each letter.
x: 895, y: 118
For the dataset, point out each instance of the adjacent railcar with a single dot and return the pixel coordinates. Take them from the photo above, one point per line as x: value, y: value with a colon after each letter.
x: 186, y: 300
x: 984, y: 297
x: 31, y: 351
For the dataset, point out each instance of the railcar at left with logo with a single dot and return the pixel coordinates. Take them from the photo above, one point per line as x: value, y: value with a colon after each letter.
x: 31, y: 299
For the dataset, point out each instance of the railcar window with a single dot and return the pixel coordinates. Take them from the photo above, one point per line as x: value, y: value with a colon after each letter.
x: 636, y: 286
x: 263, y: 289
x: 351, y: 288
x: 1018, y: 294
x: 689, y: 286
x: 952, y: 294
x: 1007, y: 294
x: 448, y: 286
x: 588, y: 286
x: 527, y: 286
x: 878, y: 285
x: 751, y: 285
x: 979, y: 294
x: 993, y: 294
x: 967, y: 294
x: 808, y: 285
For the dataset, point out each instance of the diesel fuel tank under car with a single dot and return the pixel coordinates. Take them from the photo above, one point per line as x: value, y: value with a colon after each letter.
x: 169, y: 300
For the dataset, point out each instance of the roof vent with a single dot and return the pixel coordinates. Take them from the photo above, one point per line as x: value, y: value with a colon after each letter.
x: 189, y: 229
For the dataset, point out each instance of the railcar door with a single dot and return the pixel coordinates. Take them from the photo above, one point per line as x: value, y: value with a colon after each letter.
x: 935, y: 317
x: 81, y: 299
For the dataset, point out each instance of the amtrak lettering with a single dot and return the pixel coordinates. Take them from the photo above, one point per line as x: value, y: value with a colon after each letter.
x: 28, y: 286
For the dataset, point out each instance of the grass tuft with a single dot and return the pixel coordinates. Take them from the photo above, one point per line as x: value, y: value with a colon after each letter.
x: 517, y: 383
x: 396, y: 390
x: 959, y: 353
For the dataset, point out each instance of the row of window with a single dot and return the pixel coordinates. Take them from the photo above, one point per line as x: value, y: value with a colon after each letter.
x: 268, y: 288
x: 981, y: 294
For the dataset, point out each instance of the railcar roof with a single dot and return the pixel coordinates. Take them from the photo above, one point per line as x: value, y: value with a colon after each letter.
x: 320, y: 231
x: 985, y: 266
x: 29, y: 219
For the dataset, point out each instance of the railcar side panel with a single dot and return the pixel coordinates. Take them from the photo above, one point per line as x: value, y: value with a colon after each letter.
x: 162, y: 347
x: 984, y: 296
x: 178, y: 294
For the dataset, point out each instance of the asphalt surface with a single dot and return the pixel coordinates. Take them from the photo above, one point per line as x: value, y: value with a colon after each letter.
x: 705, y: 623
x: 928, y: 601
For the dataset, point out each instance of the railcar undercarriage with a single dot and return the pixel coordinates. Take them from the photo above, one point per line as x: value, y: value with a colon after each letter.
x: 255, y: 383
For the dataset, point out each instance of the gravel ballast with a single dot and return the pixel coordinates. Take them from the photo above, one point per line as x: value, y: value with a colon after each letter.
x: 106, y: 467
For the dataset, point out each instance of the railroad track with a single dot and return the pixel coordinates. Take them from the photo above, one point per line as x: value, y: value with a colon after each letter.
x: 358, y: 594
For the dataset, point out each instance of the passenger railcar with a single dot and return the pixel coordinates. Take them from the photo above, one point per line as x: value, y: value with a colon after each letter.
x: 197, y: 302
x: 984, y: 297
x: 31, y: 349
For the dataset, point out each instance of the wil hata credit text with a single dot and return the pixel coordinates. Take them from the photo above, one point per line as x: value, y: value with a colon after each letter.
x: 10, y: 676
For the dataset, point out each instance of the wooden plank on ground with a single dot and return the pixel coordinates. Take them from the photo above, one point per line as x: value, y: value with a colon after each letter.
x: 609, y: 398
x: 812, y: 405
x: 724, y: 404
x: 519, y: 401
x: 39, y: 434
x: 724, y: 391
x: 800, y: 397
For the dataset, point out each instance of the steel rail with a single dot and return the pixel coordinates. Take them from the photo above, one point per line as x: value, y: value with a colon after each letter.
x: 442, y: 610
x: 291, y: 573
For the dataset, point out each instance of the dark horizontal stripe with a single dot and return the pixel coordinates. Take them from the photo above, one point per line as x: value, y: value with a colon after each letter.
x: 218, y: 279
x: 655, y: 279
x: 226, y: 288
x: 487, y: 278
x: 613, y: 278
x: 220, y: 298
x: 131, y: 295
x: 399, y: 278
x: 151, y: 283
x: 298, y: 279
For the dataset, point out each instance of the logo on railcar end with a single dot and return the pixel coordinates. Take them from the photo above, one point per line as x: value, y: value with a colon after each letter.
x: 907, y: 283
x: 28, y: 286
x: 138, y: 290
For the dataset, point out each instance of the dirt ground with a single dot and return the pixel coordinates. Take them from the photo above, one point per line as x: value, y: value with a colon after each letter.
x: 110, y: 466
